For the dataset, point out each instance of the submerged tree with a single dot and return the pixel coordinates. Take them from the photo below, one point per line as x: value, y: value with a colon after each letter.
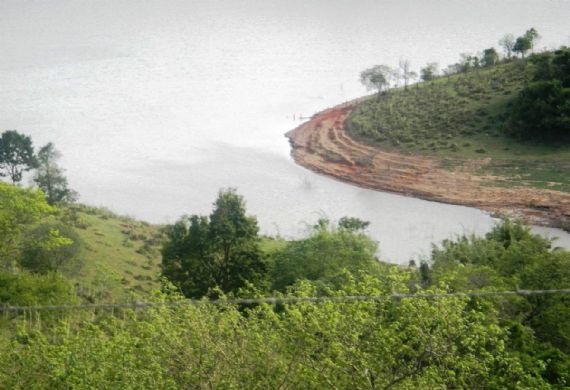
x: 49, y: 176
x: 16, y: 155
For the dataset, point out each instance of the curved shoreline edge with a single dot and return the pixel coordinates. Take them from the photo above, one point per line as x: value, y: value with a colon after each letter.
x: 323, y: 146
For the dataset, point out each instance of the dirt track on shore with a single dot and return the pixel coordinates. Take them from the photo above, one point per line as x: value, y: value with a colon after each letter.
x: 323, y: 146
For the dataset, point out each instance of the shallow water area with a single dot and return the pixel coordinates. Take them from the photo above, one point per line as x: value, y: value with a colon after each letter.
x: 156, y: 105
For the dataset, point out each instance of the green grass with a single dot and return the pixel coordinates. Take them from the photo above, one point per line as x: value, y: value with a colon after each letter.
x: 463, y: 117
x: 121, y: 256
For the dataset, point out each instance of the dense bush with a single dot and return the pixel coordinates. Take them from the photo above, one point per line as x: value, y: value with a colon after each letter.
x: 542, y: 110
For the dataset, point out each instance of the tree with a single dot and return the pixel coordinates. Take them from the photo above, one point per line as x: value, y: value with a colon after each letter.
x: 522, y: 45
x: 324, y: 255
x: 19, y: 208
x: 429, y: 72
x: 377, y: 78
x: 49, y: 176
x: 542, y: 109
x: 532, y: 36
x: 353, y: 224
x: 221, y: 251
x: 50, y: 248
x: 16, y: 155
x: 407, y: 73
x: 508, y: 44
x: 490, y: 57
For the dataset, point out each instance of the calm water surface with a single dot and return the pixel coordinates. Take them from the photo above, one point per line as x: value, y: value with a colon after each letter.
x: 156, y: 105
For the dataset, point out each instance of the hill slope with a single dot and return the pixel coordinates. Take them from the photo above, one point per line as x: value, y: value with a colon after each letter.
x: 442, y: 141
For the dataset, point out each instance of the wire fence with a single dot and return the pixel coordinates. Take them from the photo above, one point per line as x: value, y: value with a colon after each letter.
x: 281, y: 300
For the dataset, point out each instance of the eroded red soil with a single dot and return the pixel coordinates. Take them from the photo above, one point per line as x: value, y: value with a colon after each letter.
x: 322, y: 145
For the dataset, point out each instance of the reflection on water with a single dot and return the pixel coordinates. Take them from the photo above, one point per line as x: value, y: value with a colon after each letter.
x: 156, y: 105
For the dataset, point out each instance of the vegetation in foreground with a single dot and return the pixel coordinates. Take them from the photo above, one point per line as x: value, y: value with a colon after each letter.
x: 508, y: 342
x: 514, y: 111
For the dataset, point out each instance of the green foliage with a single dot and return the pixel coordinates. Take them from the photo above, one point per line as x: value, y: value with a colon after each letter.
x: 490, y: 57
x: 468, y: 115
x: 221, y: 251
x: 51, y: 247
x: 429, y: 72
x: 24, y: 289
x: 49, y: 176
x: 522, y: 45
x: 512, y: 257
x: 467, y: 107
x: 325, y: 254
x: 19, y: 208
x: 16, y: 155
x: 542, y: 110
x: 352, y: 224
x: 422, y: 344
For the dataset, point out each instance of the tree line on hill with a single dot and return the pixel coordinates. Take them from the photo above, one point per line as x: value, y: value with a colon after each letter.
x: 541, y: 111
x: 17, y: 156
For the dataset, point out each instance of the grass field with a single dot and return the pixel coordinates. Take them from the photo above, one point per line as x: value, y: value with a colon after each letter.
x: 463, y: 117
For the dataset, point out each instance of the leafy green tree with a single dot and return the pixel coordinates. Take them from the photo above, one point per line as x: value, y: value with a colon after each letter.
x: 325, y: 254
x: 221, y: 251
x: 51, y: 248
x: 429, y: 72
x: 50, y: 178
x: 522, y: 45
x: 532, y: 36
x: 16, y: 155
x: 377, y: 78
x: 19, y: 208
x: 542, y: 109
x: 490, y: 57
x: 27, y: 289
x: 451, y: 343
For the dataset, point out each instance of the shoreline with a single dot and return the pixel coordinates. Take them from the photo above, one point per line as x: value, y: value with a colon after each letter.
x: 322, y: 145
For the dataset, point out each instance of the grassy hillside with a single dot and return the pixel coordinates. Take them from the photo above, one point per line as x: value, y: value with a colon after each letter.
x: 121, y: 256
x: 462, y: 117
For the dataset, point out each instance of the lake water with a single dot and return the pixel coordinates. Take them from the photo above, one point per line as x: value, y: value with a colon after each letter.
x: 158, y: 104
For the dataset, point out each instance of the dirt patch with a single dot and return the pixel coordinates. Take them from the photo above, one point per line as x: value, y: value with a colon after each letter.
x: 322, y: 145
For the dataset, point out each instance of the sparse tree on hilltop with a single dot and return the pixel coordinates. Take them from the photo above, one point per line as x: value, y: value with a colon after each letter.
x: 522, y: 45
x: 430, y: 71
x: 407, y: 73
x: 508, y: 44
x: 490, y: 57
x: 533, y: 36
x: 377, y: 78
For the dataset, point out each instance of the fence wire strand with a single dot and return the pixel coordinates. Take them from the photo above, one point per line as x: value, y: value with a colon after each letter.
x: 280, y: 300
